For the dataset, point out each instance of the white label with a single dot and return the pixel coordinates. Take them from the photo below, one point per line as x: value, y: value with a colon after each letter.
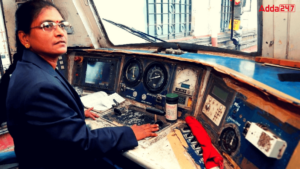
x: 171, y: 111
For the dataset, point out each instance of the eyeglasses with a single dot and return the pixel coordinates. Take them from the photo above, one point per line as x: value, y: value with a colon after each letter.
x: 49, y: 26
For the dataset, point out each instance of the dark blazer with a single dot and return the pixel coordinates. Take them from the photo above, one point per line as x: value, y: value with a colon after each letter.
x: 46, y: 120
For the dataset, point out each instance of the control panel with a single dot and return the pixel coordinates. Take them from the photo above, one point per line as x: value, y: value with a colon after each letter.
x: 216, y: 103
x: 213, y: 109
x: 250, y: 136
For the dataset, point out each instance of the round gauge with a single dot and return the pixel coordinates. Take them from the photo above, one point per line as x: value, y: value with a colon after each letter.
x: 186, y: 79
x: 155, y: 77
x: 229, y: 140
x: 132, y: 72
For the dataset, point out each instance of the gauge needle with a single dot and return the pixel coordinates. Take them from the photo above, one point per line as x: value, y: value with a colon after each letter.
x: 231, y: 141
x: 133, y: 72
x: 184, y: 81
x: 155, y: 77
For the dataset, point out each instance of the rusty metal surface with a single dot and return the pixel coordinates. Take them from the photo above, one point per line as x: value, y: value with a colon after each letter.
x: 294, y: 161
x: 247, y: 164
x: 202, y: 90
x: 120, y: 73
x: 153, y: 49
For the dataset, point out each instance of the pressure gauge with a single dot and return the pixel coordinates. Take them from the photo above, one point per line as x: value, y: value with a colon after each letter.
x: 186, y: 80
x: 229, y: 140
x: 132, y: 72
x: 155, y: 77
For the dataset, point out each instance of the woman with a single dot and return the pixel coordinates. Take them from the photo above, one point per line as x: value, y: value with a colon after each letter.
x: 45, y: 114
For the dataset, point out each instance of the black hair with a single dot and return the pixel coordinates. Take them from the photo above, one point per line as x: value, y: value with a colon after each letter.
x: 25, y: 15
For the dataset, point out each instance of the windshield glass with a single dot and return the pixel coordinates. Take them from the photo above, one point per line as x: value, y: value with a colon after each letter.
x: 187, y: 21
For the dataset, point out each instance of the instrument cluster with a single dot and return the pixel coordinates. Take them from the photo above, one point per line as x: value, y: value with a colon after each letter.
x: 148, y: 81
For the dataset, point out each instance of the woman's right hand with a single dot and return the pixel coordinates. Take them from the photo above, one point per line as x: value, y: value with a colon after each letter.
x: 144, y: 131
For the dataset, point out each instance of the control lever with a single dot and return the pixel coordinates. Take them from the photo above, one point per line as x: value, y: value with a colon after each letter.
x: 117, y: 111
x: 155, y: 112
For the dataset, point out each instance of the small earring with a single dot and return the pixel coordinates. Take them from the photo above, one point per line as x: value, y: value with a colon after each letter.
x: 27, y: 46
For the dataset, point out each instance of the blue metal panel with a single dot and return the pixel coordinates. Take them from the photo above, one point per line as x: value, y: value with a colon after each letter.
x: 140, y: 88
x: 253, y: 114
x: 263, y: 74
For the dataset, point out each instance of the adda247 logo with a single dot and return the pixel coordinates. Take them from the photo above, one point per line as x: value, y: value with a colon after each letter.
x: 280, y: 8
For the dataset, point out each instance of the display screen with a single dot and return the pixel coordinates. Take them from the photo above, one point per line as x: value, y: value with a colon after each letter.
x: 221, y: 94
x: 187, y: 86
x: 98, y: 73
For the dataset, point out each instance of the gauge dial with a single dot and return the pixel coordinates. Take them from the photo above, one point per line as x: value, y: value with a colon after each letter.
x: 132, y: 72
x: 229, y: 140
x: 155, y: 77
x: 186, y: 79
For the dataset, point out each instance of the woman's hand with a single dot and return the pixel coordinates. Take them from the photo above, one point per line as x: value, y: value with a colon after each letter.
x: 144, y: 131
x: 88, y: 113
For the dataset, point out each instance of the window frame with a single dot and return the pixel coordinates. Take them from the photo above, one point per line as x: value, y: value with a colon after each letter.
x: 190, y: 47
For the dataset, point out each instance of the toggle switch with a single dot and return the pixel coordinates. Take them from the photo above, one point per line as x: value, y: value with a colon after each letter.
x: 199, y: 151
x: 190, y: 134
x: 197, y: 145
x: 186, y: 129
x: 193, y: 139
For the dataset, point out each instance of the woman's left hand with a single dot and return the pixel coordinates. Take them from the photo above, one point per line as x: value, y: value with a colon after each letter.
x: 88, y: 113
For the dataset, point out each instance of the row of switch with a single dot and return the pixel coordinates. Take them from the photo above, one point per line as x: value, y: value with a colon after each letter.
x: 188, y: 135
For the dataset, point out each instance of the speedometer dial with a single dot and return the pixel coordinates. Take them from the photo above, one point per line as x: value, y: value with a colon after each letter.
x: 155, y: 77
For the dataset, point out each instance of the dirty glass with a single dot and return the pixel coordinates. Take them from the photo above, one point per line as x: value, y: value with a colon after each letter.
x: 198, y: 22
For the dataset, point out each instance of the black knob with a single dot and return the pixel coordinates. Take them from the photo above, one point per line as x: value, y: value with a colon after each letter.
x: 118, y: 112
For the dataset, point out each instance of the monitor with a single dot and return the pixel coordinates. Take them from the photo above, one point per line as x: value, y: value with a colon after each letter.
x: 98, y: 73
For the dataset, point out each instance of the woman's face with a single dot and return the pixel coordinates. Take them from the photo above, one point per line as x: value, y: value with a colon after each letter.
x: 44, y: 42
